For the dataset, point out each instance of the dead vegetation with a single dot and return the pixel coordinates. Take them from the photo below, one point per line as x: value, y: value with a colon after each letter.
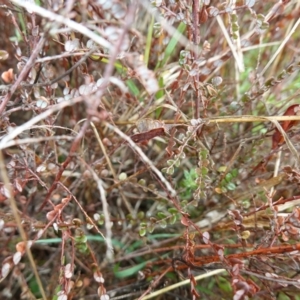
x: 149, y: 149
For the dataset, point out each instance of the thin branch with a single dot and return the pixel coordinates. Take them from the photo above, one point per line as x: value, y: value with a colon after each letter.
x: 182, y: 283
x: 14, y: 209
x: 145, y: 159
x: 36, y: 140
x: 282, y: 45
x: 128, y: 205
x: 105, y: 207
x: 55, y: 18
x: 76, y: 65
x: 23, y: 73
x: 231, y: 45
x: 26, y: 126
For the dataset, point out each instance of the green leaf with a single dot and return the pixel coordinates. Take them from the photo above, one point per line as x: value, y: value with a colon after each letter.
x: 142, y: 231
x: 164, y: 170
x: 186, y: 174
x: 203, y: 153
x: 130, y: 271
x: 204, y: 171
x: 235, y: 173
x: 151, y: 228
x: 163, y: 224
x: 222, y: 169
x: 224, y: 190
x: 161, y: 215
x: 231, y: 186
x: 224, y: 284
x: 161, y: 91
x: 132, y: 87
x: 223, y: 182
x: 170, y: 162
x: 172, y: 210
x: 163, y: 236
x: 142, y: 182
x: 183, y: 203
x: 140, y: 215
x: 172, y: 44
x: 228, y: 177
x: 173, y: 219
x: 143, y: 224
x: 149, y: 42
x: 170, y: 171
x: 81, y: 239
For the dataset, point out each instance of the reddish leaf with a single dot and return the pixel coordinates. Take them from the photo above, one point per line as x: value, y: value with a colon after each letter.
x: 184, y: 221
x: 8, y: 76
x: 203, y: 15
x: 277, y: 139
x: 145, y: 136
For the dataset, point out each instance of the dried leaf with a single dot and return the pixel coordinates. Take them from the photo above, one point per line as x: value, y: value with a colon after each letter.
x: 278, y: 139
x: 148, y: 124
x: 203, y: 15
x: 145, y: 136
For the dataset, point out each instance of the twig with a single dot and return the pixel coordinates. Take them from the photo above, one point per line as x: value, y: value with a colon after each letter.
x: 17, y: 218
x: 26, y: 126
x: 146, y: 160
x: 63, y: 20
x: 36, y: 140
x: 73, y: 149
x: 280, y: 47
x: 153, y: 284
x: 108, y: 223
x: 68, y: 54
x: 128, y: 205
x: 226, y: 119
x: 86, y: 215
x: 77, y: 64
x: 23, y: 73
x: 181, y: 283
x: 230, y: 44
x: 169, y: 28
x: 274, y: 279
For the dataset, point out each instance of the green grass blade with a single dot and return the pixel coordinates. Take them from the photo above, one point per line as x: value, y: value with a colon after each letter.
x: 171, y: 46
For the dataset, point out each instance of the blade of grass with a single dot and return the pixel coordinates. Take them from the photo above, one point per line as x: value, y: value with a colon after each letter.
x: 132, y: 87
x: 280, y: 48
x: 148, y: 42
x: 129, y: 271
x: 130, y: 83
x: 172, y: 45
x: 237, y: 58
x: 182, y: 283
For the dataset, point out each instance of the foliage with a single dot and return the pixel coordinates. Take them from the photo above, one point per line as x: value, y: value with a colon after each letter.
x: 149, y: 149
